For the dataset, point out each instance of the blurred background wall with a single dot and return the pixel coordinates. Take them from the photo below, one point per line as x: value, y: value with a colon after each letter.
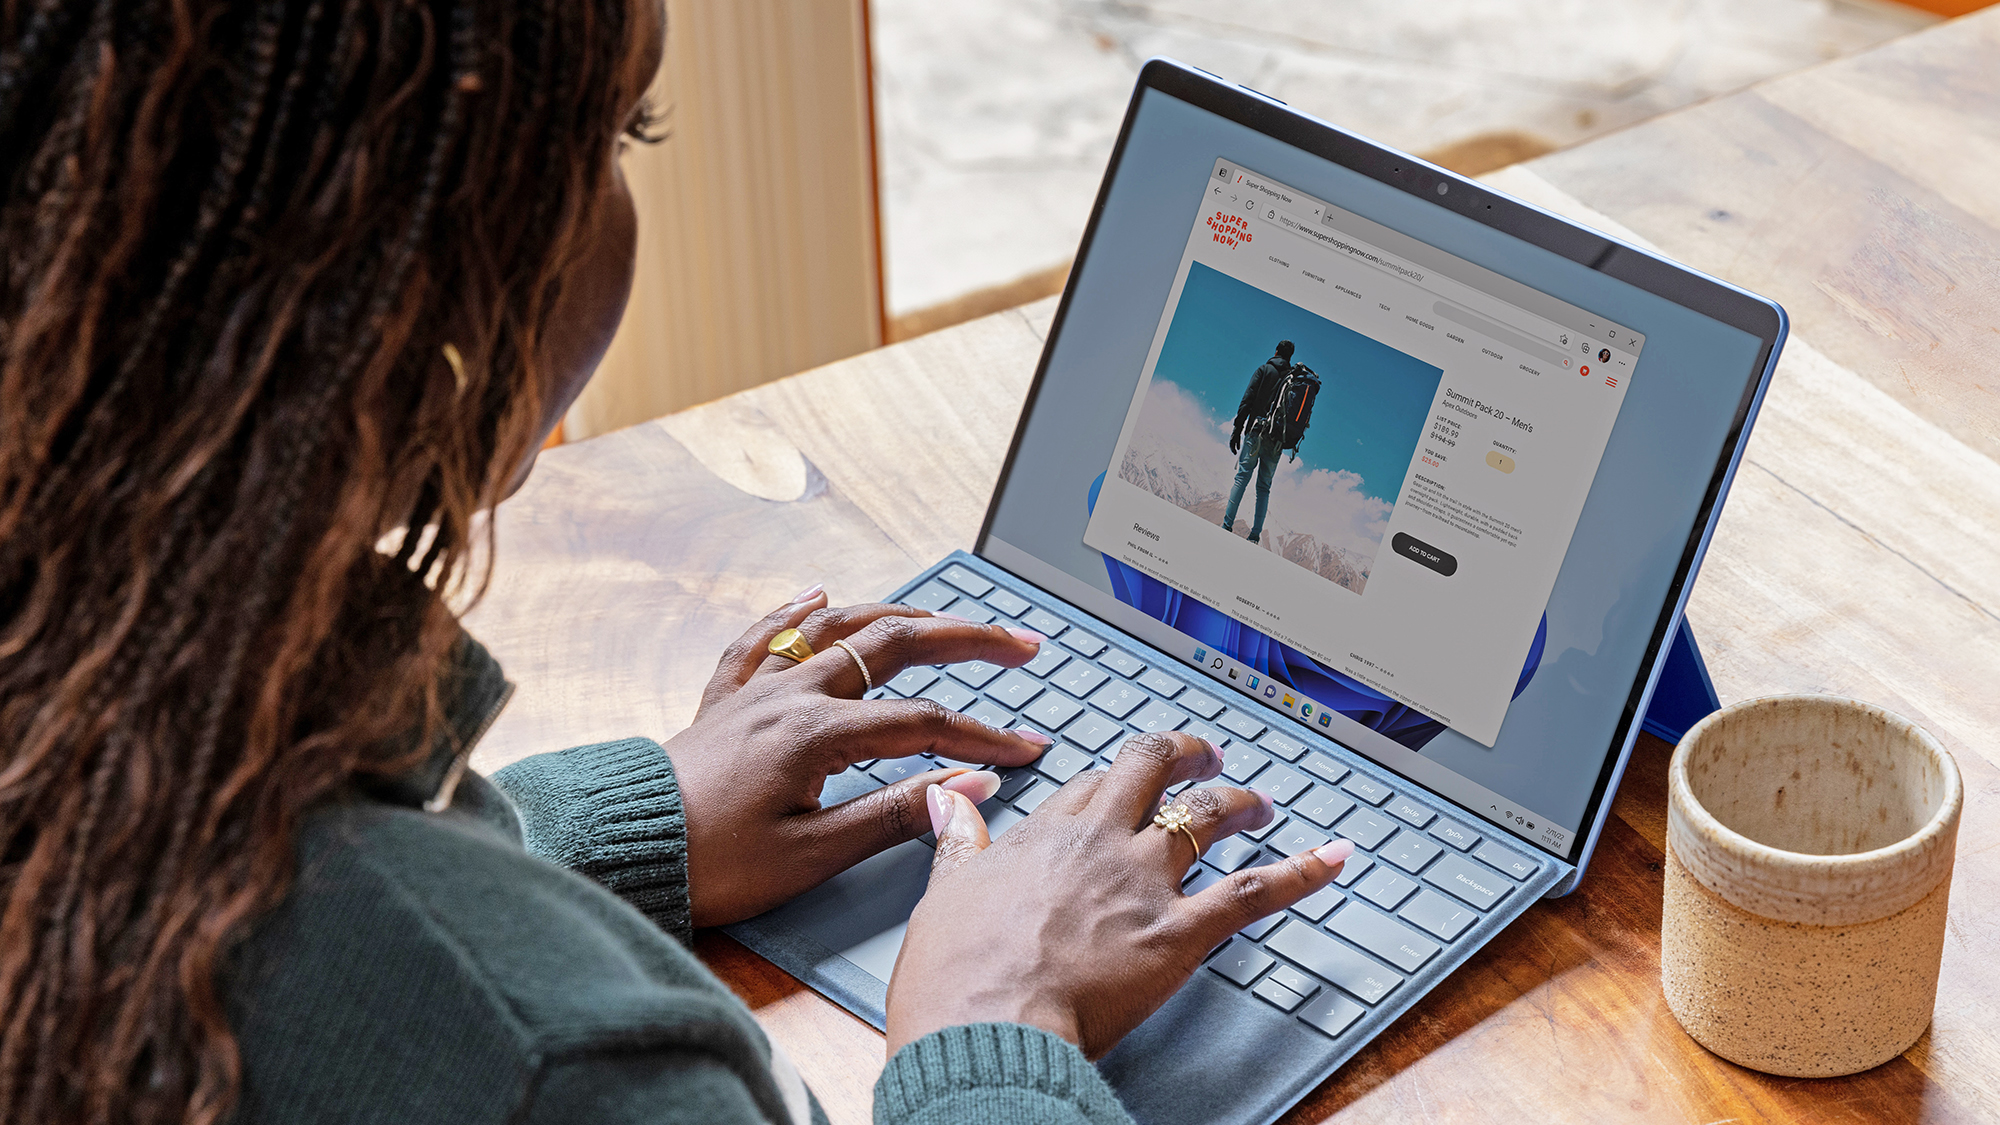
x: 848, y: 172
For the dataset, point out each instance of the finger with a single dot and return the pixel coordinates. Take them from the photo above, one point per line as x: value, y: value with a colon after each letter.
x: 1146, y: 765
x: 899, y: 728
x: 892, y: 642
x: 740, y: 660
x: 1218, y: 811
x: 840, y: 836
x: 1258, y: 892
x: 961, y: 831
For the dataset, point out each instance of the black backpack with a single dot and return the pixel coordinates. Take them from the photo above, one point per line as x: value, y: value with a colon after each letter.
x: 1292, y: 407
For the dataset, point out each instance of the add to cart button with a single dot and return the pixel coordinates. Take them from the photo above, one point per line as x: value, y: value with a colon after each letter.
x: 1415, y: 549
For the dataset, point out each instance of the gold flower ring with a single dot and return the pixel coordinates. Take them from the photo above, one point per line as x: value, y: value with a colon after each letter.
x: 1176, y: 818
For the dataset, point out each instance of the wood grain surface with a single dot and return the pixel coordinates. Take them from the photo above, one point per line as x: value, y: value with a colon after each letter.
x: 1859, y: 554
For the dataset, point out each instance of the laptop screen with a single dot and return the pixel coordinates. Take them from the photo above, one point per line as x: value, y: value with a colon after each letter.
x: 1400, y: 478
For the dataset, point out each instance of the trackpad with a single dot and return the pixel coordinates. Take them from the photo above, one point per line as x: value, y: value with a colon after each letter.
x: 862, y: 912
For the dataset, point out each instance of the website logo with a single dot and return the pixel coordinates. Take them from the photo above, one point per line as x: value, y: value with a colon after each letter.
x: 1230, y: 230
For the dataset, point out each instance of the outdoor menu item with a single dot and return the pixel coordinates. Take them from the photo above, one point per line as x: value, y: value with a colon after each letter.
x: 1809, y: 852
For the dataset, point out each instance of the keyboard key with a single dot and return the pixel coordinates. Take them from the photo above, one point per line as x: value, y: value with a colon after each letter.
x: 1016, y: 689
x: 972, y: 611
x: 1201, y: 705
x: 1368, y: 789
x: 1402, y: 808
x: 1410, y: 851
x: 1157, y: 716
x: 1110, y: 753
x: 931, y: 597
x: 1277, y: 995
x: 1455, y: 834
x: 1328, y: 959
x: 1505, y: 860
x: 1322, y: 806
x: 1355, y: 867
x: 1123, y: 663
x: 1439, y: 914
x: 1161, y: 684
x: 1032, y: 799
x: 1044, y: 622
x: 1255, y: 931
x: 1283, y: 746
x: 992, y: 714
x: 1264, y: 833
x: 1079, y: 679
x: 977, y: 673
x: 1325, y: 768
x: 1236, y: 723
x: 1199, y: 880
x: 913, y: 681
x: 1013, y: 783
x: 1047, y: 660
x: 1386, y: 938
x: 1385, y: 888
x: 896, y: 769
x: 1118, y: 699
x: 1083, y: 643
x: 1293, y: 979
x: 1240, y: 763
x: 1295, y: 837
x: 1366, y: 829
x: 1092, y: 731
x: 966, y: 581
x: 1475, y: 883
x: 1063, y: 762
x: 1001, y: 820
x: 1052, y: 710
x: 955, y: 696
x: 1315, y: 906
x: 1207, y: 734
x: 1241, y: 962
x: 1230, y: 855
x: 1282, y: 784
x: 1007, y: 603
x: 1331, y: 1013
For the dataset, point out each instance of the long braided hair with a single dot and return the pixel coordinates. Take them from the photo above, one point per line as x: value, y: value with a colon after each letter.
x: 235, y: 237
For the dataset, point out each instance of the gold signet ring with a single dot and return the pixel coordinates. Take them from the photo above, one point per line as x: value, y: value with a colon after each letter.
x: 1176, y: 818
x: 792, y: 645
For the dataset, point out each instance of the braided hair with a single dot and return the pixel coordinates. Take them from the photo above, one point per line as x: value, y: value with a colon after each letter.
x: 235, y: 237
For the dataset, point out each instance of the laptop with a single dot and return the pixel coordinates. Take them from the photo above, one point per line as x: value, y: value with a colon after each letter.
x: 1465, y: 500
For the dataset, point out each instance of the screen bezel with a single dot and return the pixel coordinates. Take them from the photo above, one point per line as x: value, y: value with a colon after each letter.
x: 1683, y: 286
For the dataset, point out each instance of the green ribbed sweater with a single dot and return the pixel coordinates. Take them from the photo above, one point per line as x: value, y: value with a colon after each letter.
x: 523, y: 957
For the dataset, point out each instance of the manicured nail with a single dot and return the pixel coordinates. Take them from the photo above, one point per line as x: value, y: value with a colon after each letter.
x: 1215, y: 750
x: 1027, y: 636
x: 940, y: 806
x: 1030, y: 734
x: 809, y: 593
x: 1334, y: 852
x: 1264, y: 799
x: 976, y: 786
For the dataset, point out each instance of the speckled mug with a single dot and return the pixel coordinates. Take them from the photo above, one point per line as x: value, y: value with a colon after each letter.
x: 1809, y: 850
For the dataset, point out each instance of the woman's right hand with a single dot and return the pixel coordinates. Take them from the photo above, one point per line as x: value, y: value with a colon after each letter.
x: 1074, y: 921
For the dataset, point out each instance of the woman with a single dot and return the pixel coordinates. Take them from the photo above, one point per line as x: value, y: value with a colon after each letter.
x: 292, y: 290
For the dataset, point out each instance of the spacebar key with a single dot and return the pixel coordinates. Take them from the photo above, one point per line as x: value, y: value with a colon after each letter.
x: 1336, y: 962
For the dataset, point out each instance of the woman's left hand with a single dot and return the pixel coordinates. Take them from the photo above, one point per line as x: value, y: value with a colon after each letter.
x: 770, y: 732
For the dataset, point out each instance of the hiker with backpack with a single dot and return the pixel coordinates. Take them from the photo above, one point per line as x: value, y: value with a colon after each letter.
x: 1272, y: 418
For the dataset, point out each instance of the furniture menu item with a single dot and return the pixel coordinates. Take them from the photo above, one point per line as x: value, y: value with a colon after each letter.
x: 1857, y: 556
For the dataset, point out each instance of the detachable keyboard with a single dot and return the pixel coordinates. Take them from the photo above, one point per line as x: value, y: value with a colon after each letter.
x: 1419, y: 882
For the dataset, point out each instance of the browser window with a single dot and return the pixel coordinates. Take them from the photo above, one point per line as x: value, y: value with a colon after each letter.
x: 1363, y: 448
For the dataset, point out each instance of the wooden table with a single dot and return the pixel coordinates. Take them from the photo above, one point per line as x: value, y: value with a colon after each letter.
x: 1859, y: 554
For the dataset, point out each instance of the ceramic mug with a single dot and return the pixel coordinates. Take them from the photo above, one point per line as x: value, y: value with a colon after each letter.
x: 1809, y: 851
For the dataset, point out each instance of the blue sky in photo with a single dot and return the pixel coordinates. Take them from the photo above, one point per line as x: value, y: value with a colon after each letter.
x: 1373, y: 402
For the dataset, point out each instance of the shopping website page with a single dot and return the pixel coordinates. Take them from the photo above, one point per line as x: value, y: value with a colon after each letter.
x: 1367, y: 460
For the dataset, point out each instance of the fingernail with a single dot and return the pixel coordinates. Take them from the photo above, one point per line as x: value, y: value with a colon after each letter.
x: 809, y: 593
x: 977, y: 786
x: 1030, y: 734
x: 1215, y: 750
x: 1027, y: 636
x: 1334, y: 852
x: 940, y: 806
x: 1264, y: 799
x: 961, y: 818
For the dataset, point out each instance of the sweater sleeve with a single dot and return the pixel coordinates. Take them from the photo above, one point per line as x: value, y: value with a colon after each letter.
x: 611, y: 812
x: 1003, y: 1073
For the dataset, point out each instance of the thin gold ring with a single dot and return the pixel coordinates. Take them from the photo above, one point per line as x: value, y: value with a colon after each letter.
x: 791, y: 644
x: 867, y: 680
x: 1176, y: 818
